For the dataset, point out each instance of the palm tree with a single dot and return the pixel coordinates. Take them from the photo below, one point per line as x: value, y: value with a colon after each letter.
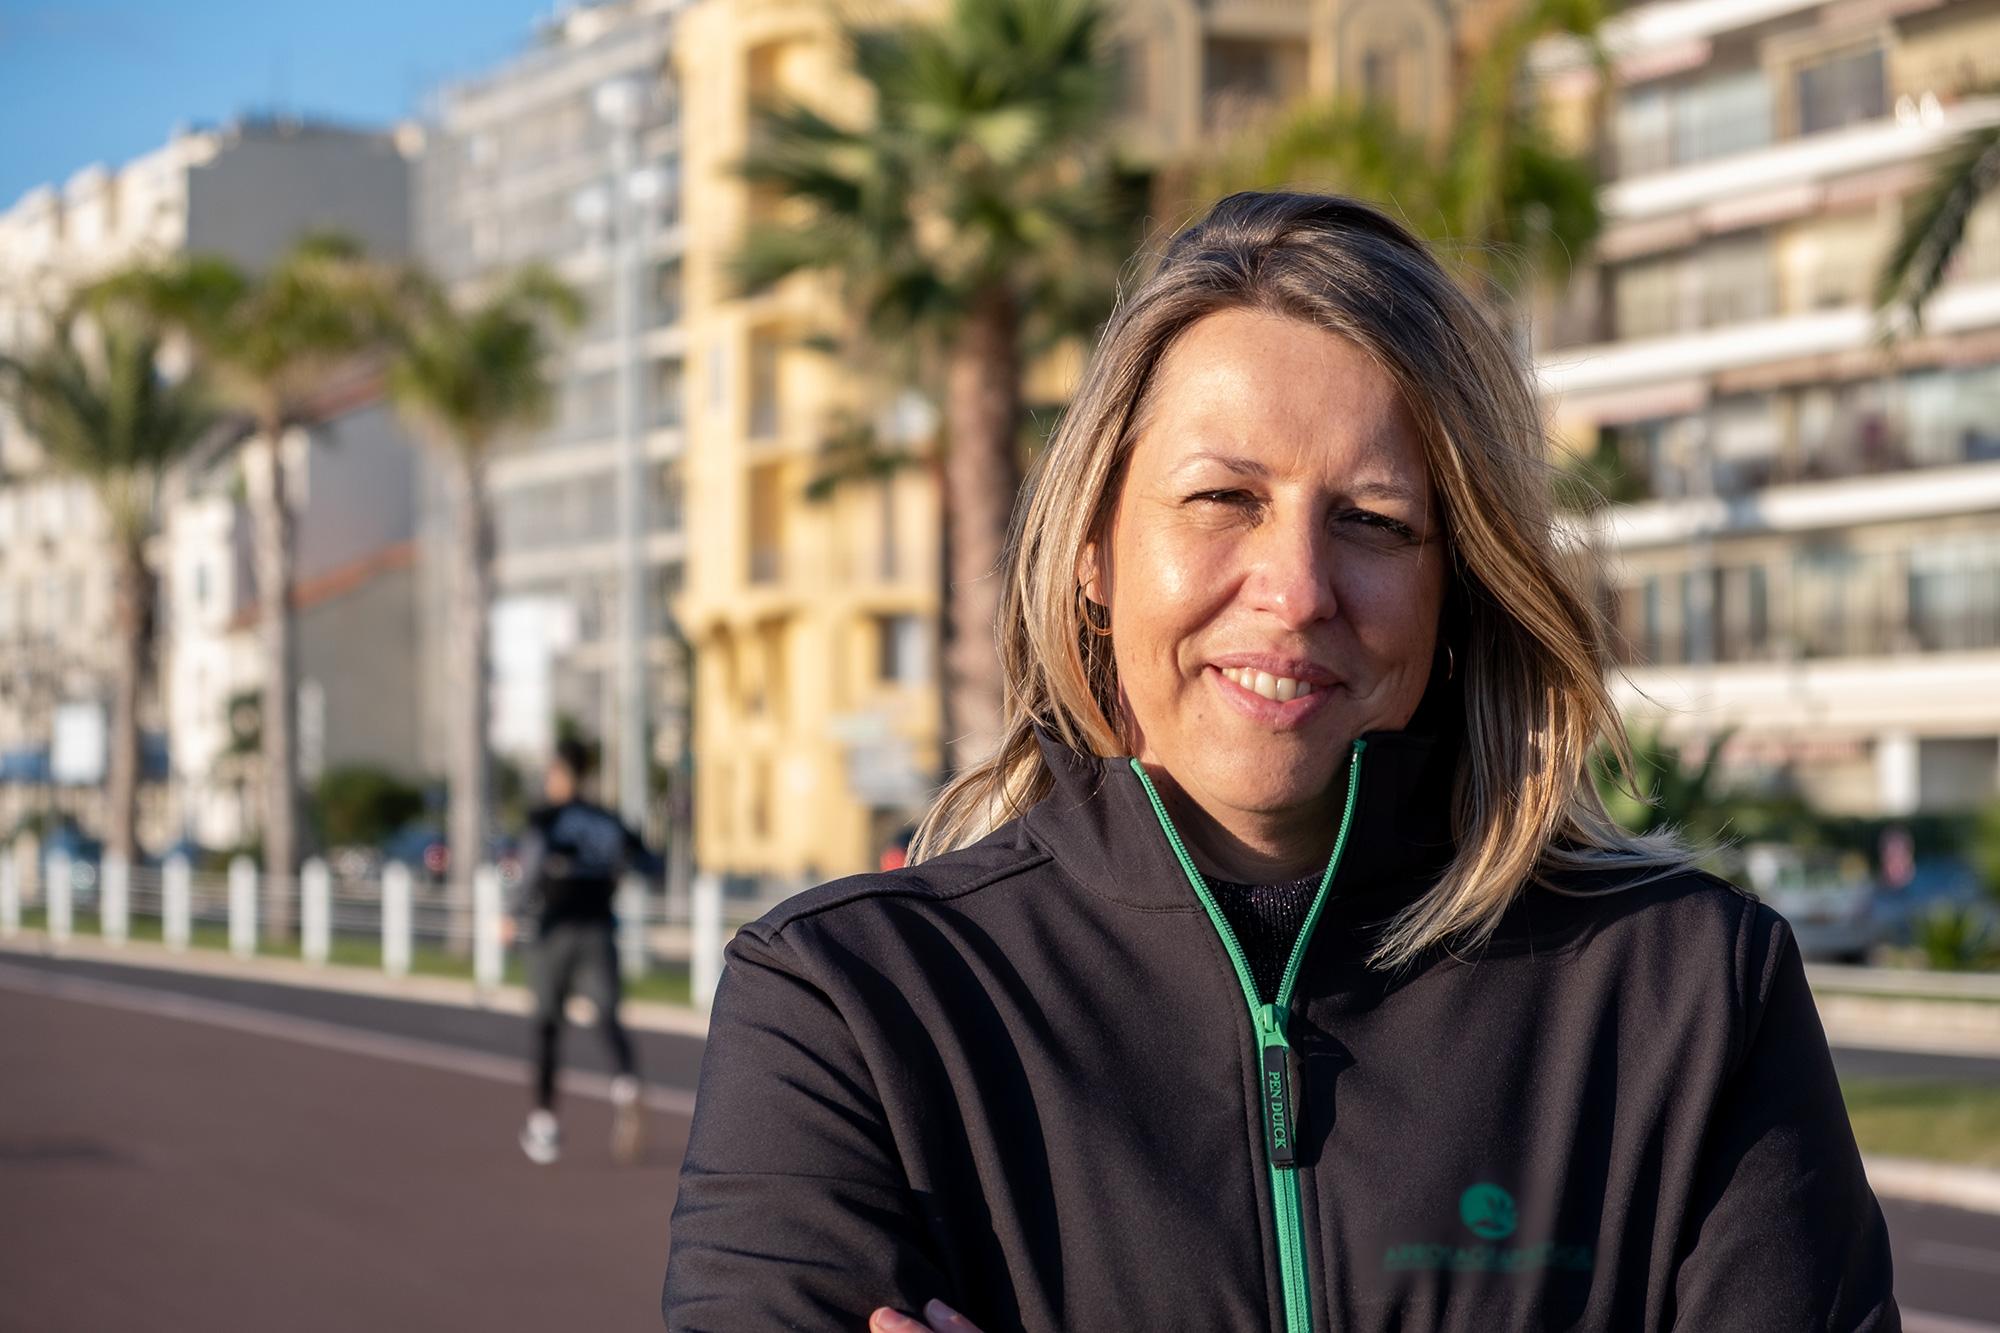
x: 1491, y: 185
x: 1963, y: 173
x: 95, y: 399
x: 274, y: 344
x: 977, y: 212
x: 464, y: 377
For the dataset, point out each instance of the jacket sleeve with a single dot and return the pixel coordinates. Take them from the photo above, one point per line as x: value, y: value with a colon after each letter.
x: 794, y: 1209
x: 1783, y: 1231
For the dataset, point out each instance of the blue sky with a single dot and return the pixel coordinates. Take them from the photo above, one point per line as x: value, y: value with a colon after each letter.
x: 104, y: 80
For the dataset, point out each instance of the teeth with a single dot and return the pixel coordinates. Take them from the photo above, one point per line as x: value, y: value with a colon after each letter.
x: 1282, y: 689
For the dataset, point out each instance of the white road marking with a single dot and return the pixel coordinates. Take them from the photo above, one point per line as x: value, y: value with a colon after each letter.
x: 314, y: 1032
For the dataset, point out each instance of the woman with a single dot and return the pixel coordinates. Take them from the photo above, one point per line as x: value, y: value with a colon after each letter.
x: 1303, y: 982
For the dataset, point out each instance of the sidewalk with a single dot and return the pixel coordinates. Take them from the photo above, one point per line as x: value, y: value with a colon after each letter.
x: 1897, y: 1009
x: 457, y: 992
x: 1900, y: 1022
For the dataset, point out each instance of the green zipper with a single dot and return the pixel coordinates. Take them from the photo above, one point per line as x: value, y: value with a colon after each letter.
x: 1273, y: 1050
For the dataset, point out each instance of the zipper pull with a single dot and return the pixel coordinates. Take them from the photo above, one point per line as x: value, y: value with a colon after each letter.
x: 1277, y: 1086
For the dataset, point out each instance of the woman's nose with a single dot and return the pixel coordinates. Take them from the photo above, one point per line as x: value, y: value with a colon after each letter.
x: 1292, y: 577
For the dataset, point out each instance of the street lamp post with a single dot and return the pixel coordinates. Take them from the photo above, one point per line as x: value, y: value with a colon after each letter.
x: 621, y: 105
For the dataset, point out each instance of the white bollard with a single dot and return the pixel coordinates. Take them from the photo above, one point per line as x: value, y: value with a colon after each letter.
x: 176, y: 901
x: 114, y: 899
x: 315, y: 911
x: 396, y: 919
x: 242, y: 906
x: 10, y: 897
x: 631, y: 912
x: 59, y: 895
x: 705, y: 948
x: 489, y: 953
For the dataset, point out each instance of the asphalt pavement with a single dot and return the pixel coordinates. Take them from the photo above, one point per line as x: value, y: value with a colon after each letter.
x: 189, y: 1152
x: 172, y: 1175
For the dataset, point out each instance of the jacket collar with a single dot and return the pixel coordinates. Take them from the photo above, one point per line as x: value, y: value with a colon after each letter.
x: 1099, y: 825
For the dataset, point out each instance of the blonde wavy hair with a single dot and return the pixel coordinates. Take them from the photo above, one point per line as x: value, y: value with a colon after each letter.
x: 1536, y: 707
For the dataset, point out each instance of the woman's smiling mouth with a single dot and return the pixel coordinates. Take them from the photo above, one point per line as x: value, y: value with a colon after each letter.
x: 1283, y: 689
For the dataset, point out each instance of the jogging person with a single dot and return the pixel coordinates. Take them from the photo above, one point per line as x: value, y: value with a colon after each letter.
x: 574, y: 853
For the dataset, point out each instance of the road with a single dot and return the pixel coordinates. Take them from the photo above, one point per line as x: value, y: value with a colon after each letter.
x: 183, y: 1152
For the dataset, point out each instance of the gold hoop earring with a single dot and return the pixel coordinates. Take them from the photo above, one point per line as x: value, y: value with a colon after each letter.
x: 1083, y: 610
x: 1450, y: 662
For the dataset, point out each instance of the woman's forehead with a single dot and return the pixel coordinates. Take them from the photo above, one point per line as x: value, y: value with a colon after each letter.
x: 1259, y: 393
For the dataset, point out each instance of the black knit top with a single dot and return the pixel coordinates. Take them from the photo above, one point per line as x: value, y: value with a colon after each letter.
x: 1267, y: 919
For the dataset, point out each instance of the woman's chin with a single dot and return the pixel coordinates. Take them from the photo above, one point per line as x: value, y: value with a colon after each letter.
x: 1274, y: 788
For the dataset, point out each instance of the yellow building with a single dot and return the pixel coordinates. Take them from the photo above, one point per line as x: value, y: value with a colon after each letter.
x: 815, y: 623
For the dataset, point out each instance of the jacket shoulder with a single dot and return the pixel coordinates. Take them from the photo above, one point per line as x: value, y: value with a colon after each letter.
x: 1675, y: 890
x: 1701, y: 922
x: 1000, y: 856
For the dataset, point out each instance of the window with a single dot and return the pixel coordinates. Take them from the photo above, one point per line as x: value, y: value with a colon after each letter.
x: 1737, y: 281
x: 664, y: 305
x: 1661, y: 127
x: 764, y: 348
x: 664, y: 498
x: 1646, y: 298
x: 1837, y: 602
x: 1135, y: 85
x: 664, y: 393
x: 765, y: 75
x: 1742, y: 614
x: 760, y: 798
x: 1955, y: 593
x: 1841, y: 91
x: 571, y: 511
x: 766, y: 523
x: 590, y: 405
x: 1241, y: 78
x: 900, y: 650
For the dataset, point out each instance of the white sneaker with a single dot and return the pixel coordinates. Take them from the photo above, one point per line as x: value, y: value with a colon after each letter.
x: 628, y: 1124
x: 541, y: 1139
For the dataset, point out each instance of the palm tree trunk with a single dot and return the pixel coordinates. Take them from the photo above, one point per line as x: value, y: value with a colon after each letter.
x: 272, y: 522
x: 472, y: 556
x: 982, y: 477
x: 132, y: 616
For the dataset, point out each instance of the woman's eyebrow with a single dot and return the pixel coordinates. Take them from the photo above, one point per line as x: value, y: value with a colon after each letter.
x: 1234, y: 462
x: 1385, y: 490
x: 1373, y: 489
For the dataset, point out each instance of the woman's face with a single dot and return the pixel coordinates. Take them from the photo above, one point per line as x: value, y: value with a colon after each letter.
x: 1276, y: 566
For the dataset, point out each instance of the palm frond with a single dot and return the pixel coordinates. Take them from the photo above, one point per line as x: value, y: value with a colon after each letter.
x: 1934, y: 223
x: 271, y: 340
x: 465, y: 376
x: 982, y: 164
x: 94, y: 398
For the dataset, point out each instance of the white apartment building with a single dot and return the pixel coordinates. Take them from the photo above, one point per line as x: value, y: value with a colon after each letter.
x: 523, y: 166
x: 1810, y: 555
x: 247, y: 192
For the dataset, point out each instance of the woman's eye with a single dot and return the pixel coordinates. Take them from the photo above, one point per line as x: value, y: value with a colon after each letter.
x: 1233, y: 498
x: 1372, y: 526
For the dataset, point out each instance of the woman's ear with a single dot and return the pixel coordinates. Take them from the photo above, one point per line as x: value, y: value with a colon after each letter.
x: 1090, y: 576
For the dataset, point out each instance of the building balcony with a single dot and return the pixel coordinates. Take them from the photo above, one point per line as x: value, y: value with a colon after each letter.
x: 1928, y: 493
x: 1766, y: 184
x: 1617, y: 380
x: 1938, y: 694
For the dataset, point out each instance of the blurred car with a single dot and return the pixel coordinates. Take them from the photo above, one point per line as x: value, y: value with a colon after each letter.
x: 420, y: 845
x: 1937, y: 882
x: 1827, y: 899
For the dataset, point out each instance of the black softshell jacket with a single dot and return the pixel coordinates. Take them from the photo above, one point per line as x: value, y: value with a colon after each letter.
x: 1023, y: 1079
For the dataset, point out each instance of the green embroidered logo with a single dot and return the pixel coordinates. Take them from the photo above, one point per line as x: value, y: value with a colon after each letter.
x: 1492, y: 1215
x: 1490, y: 1211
